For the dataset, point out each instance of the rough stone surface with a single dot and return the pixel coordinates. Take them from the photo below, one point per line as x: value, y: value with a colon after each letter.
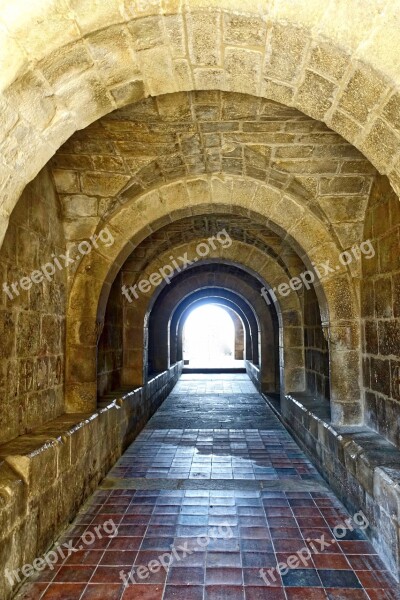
x: 47, y: 475
x: 187, y: 134
x: 164, y: 121
x: 32, y: 320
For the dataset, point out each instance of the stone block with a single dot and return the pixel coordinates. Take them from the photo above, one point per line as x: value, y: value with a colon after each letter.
x: 243, y: 70
x: 383, y: 298
x: 174, y: 28
x: 265, y: 200
x: 208, y: 78
x: 102, y: 184
x: 362, y: 94
x: 67, y: 181
x: 389, y: 338
x: 388, y: 250
x: 343, y: 208
x: 113, y: 55
x: 128, y: 93
x: 146, y: 32
x: 391, y: 111
x: 204, y: 38
x: 278, y: 92
x: 284, y: 54
x: 315, y: 95
x: 341, y: 185
x: 244, y: 31
x: 76, y: 206
x: 80, y: 229
x: 34, y: 97
x: 161, y: 80
x: 380, y: 145
x: 328, y: 61
x: 66, y: 63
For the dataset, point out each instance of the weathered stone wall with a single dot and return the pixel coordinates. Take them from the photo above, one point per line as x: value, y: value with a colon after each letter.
x: 362, y: 468
x: 32, y: 323
x: 46, y: 476
x: 315, y: 347
x: 66, y: 66
x: 110, y: 348
x: 381, y: 313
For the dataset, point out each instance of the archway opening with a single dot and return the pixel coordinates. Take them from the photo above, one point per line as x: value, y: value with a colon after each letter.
x: 212, y: 339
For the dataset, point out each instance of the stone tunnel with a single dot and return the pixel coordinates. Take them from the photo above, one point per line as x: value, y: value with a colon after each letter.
x: 159, y: 157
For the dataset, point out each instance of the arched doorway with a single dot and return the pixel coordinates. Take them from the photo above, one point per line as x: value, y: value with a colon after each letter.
x: 212, y: 338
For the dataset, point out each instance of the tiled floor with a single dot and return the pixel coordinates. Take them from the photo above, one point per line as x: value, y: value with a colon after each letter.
x: 201, y: 541
x: 214, y: 454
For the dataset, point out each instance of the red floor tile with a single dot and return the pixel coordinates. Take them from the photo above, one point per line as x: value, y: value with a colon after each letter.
x: 143, y: 592
x: 384, y: 594
x: 74, y: 574
x: 330, y: 561
x: 357, y: 547
x: 107, y: 575
x: 64, y: 591
x: 259, y: 593
x: 375, y: 579
x: 346, y: 594
x: 114, y: 558
x: 366, y: 562
x: 125, y: 543
x: 102, y: 592
x: 85, y: 557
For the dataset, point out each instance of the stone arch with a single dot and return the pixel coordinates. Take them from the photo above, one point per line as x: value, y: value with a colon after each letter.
x: 268, y: 378
x: 65, y: 67
x: 168, y: 304
x: 225, y: 298
x: 268, y: 272
x: 279, y: 211
x: 239, y: 324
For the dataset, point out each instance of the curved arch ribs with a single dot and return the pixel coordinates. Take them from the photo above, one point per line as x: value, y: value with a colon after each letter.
x: 66, y: 66
x: 161, y: 123
x: 196, y: 196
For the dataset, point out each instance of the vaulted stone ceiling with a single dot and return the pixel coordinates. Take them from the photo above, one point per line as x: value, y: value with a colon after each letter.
x: 169, y: 137
x: 198, y: 227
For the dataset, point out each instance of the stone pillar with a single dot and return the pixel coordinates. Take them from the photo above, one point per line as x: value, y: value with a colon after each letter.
x: 239, y: 334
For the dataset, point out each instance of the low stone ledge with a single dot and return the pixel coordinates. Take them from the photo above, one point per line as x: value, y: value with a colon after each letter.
x: 361, y: 466
x: 253, y: 371
x: 45, y: 476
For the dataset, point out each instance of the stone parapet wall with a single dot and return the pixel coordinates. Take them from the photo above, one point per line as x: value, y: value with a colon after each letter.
x: 253, y: 371
x: 360, y: 466
x: 46, y: 476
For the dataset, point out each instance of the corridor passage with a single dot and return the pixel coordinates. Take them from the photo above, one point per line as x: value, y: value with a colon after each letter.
x: 209, y: 499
